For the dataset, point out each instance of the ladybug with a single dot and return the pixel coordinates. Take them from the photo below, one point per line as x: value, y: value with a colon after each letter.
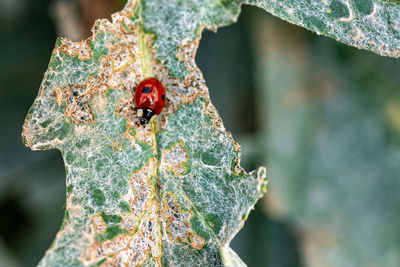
x: 149, y: 99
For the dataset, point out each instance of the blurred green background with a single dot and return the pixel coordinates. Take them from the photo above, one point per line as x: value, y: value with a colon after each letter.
x: 323, y: 117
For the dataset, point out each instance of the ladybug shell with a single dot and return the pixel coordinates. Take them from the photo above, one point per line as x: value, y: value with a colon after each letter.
x: 150, y: 93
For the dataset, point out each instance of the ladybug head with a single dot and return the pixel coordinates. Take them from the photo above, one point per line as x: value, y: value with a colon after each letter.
x: 145, y: 115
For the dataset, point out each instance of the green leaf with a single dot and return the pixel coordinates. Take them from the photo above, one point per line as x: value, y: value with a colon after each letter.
x: 170, y: 192
x: 368, y: 24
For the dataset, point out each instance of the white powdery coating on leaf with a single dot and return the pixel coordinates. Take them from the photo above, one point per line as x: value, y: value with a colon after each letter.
x: 126, y: 203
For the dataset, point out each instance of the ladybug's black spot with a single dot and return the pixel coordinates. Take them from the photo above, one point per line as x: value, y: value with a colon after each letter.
x: 163, y: 97
x: 147, y: 90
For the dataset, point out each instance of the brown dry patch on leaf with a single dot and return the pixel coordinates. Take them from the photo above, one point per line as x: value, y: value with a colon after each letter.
x: 98, y: 224
x: 211, y: 111
x: 175, y: 158
x: 146, y: 134
x: 118, y: 70
x: 178, y: 225
x: 78, y: 108
x: 143, y: 133
x: 129, y: 249
x: 99, y: 250
x: 147, y: 240
x: 236, y: 168
x: 128, y: 12
x: 129, y: 222
x: 143, y: 187
x: 134, y: 139
x: 58, y: 95
x: 82, y: 49
x: 143, y: 225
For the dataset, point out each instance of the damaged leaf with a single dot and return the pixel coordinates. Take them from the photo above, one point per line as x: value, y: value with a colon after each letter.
x: 367, y: 24
x: 170, y: 191
x: 164, y: 193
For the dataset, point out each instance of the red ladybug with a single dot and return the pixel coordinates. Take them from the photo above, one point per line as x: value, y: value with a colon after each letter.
x: 149, y: 99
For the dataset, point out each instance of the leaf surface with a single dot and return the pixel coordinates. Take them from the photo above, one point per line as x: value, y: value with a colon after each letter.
x: 171, y: 191
x: 367, y: 24
x: 166, y: 193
